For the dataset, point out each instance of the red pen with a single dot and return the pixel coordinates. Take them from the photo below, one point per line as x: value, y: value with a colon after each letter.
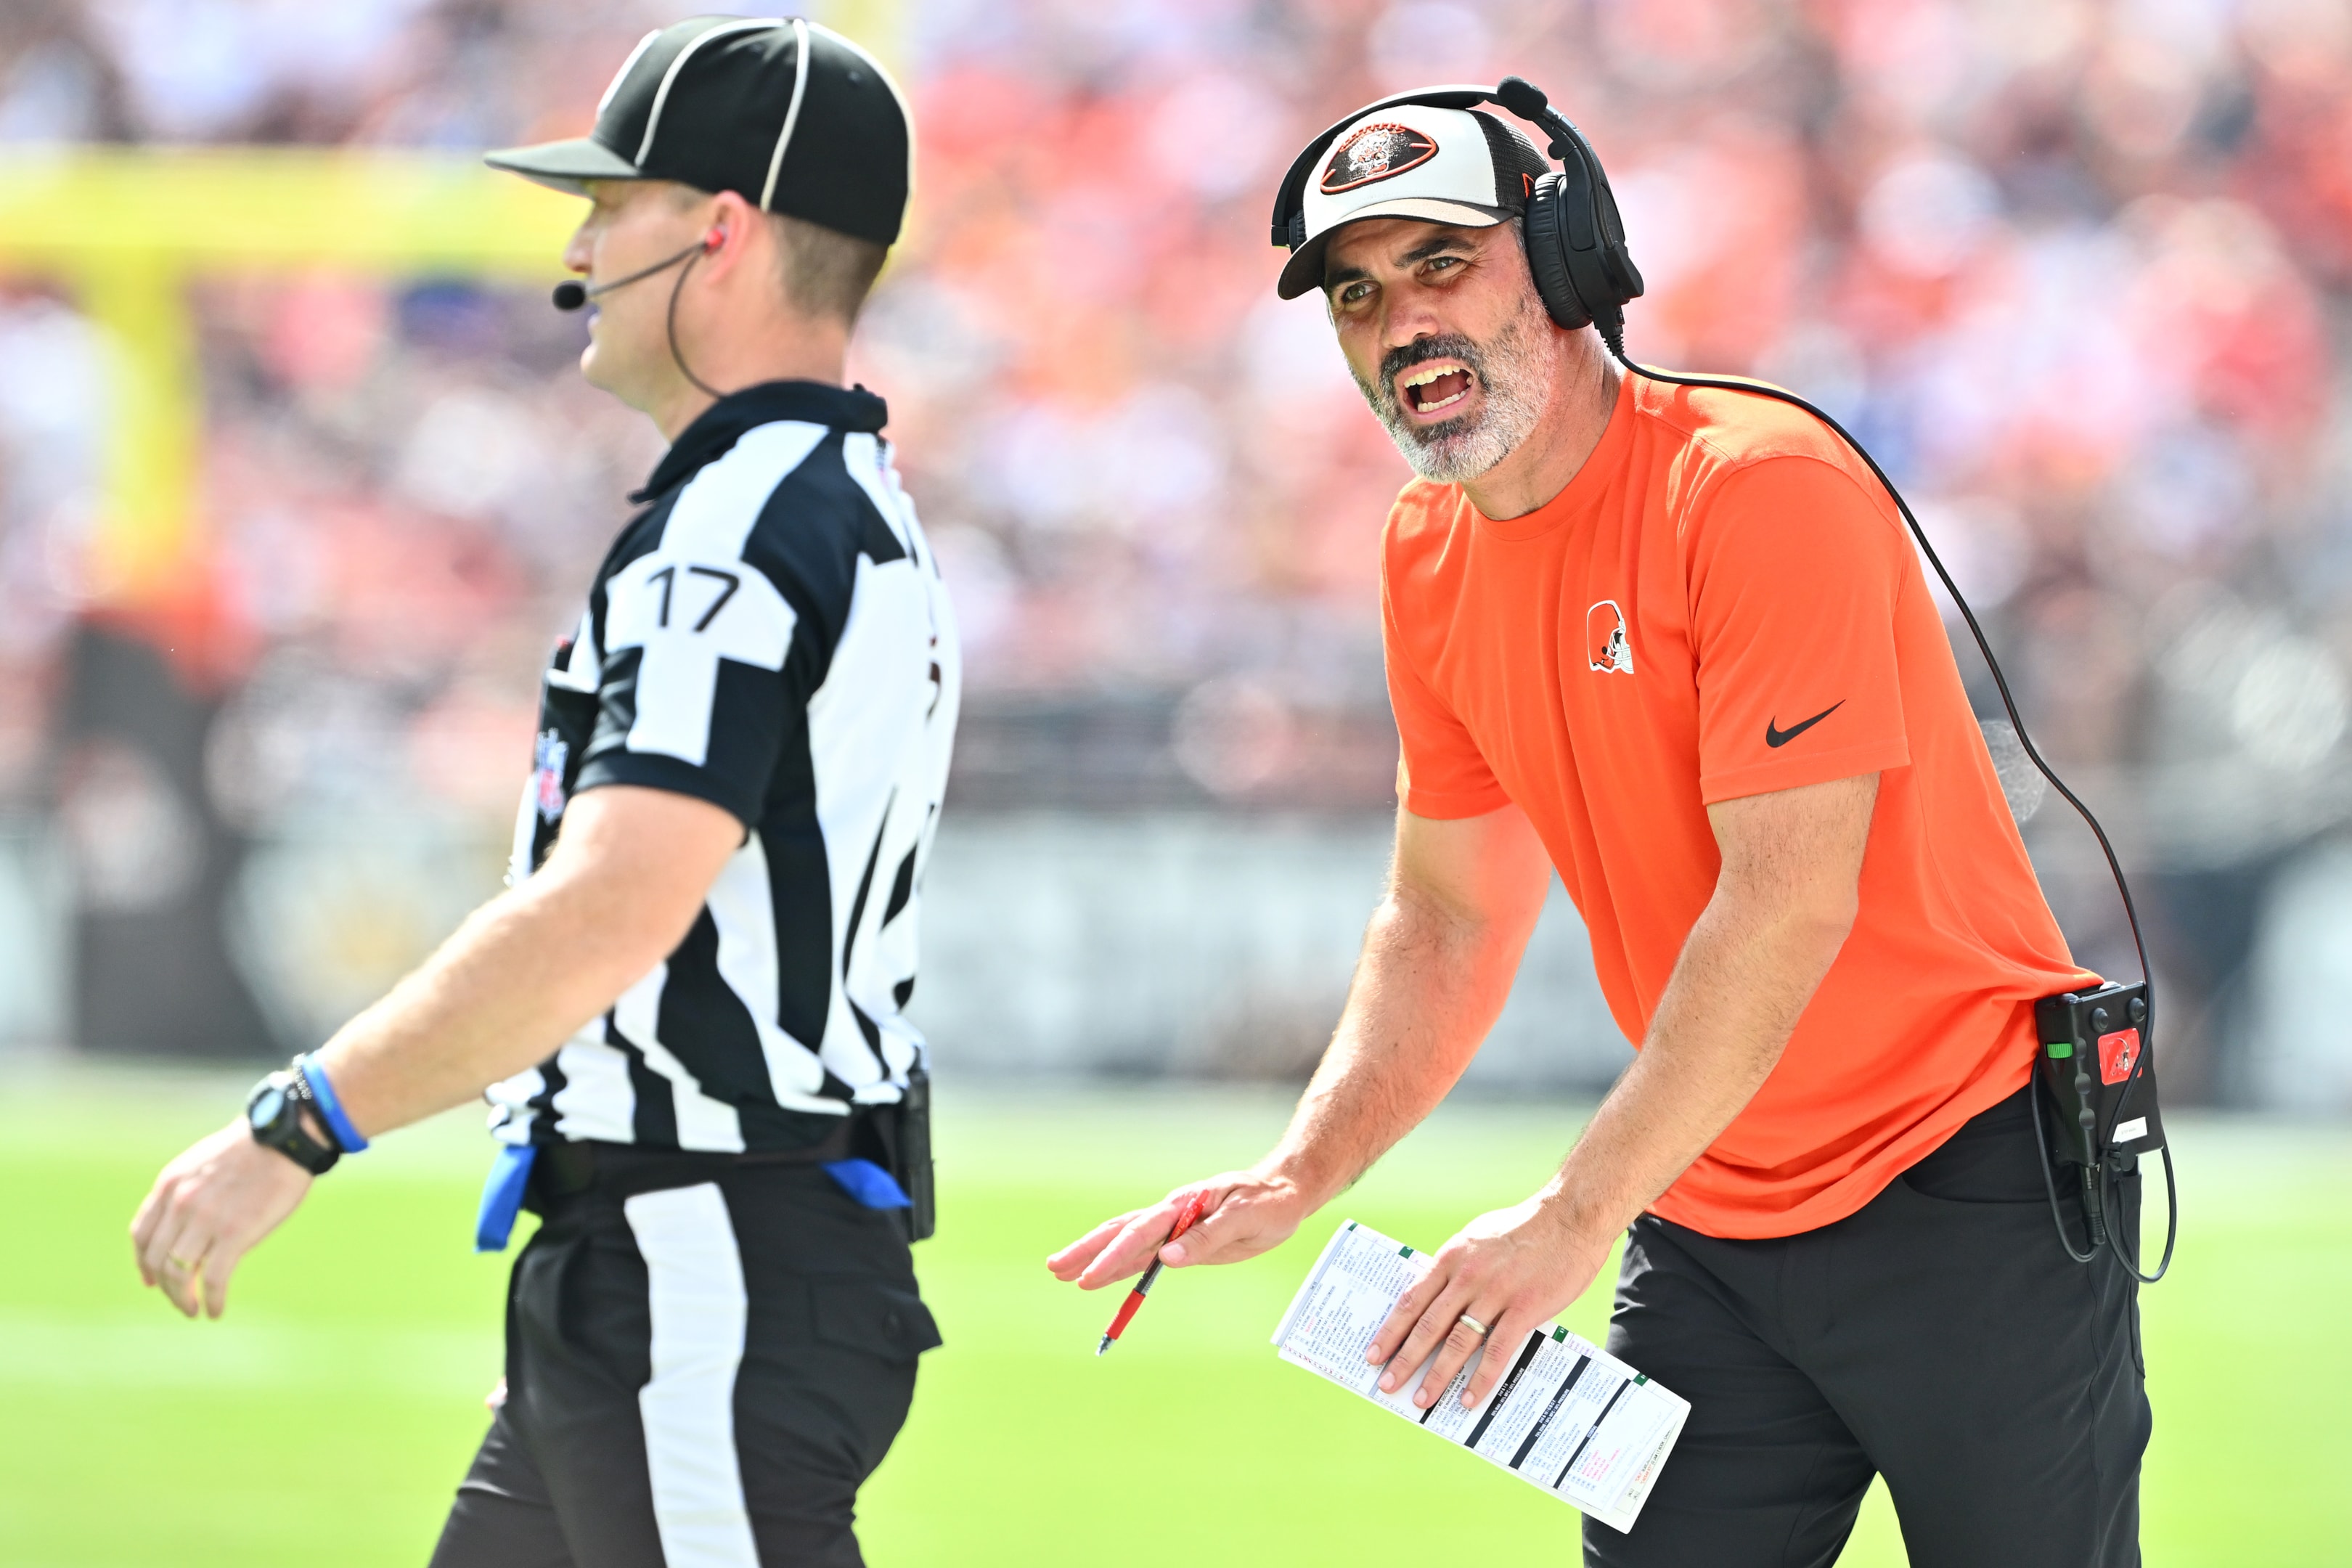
x: 1186, y: 1217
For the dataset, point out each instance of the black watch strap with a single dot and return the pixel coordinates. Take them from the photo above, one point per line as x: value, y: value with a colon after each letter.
x: 274, y: 1111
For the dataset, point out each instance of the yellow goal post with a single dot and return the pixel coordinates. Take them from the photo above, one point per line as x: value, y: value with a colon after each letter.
x: 126, y: 229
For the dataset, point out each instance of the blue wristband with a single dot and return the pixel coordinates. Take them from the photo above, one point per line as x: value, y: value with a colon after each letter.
x: 330, y: 1109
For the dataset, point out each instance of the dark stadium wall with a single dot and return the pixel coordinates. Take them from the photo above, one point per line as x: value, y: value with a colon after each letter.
x: 152, y: 861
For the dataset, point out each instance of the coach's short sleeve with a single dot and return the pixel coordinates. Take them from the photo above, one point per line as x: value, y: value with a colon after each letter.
x: 1794, y: 572
x: 1440, y: 771
x: 698, y: 691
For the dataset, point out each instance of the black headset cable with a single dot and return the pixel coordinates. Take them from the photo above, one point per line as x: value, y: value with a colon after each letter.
x: 669, y: 324
x: 571, y: 295
x: 2126, y: 1252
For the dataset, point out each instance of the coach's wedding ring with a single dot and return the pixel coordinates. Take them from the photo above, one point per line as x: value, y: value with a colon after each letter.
x: 1474, y: 1326
x: 182, y: 1265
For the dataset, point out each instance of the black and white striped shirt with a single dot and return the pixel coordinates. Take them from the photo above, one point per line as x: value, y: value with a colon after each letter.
x: 771, y: 634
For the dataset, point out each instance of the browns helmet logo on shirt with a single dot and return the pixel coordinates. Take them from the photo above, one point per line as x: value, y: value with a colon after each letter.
x: 1375, y: 153
x: 1606, y: 647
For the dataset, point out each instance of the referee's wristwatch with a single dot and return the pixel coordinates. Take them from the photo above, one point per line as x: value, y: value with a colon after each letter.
x: 274, y: 1110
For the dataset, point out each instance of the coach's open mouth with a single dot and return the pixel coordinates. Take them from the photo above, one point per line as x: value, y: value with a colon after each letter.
x: 1434, y: 387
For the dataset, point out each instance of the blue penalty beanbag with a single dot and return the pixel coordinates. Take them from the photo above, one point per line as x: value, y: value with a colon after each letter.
x: 868, y: 1183
x: 502, y: 1197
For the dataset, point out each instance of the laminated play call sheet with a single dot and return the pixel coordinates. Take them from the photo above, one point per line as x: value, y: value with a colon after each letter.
x: 1567, y: 1416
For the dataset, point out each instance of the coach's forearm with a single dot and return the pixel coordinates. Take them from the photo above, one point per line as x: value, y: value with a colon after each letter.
x: 1745, y: 973
x: 1428, y: 987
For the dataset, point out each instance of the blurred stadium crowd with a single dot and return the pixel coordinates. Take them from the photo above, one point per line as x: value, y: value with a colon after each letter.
x: 2077, y: 271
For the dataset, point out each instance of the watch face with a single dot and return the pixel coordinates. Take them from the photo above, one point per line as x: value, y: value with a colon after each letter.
x: 266, y: 1105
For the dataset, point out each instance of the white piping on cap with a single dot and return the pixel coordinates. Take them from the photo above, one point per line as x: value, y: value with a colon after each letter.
x: 622, y: 75
x: 905, y: 110
x: 793, y: 113
x: 661, y: 94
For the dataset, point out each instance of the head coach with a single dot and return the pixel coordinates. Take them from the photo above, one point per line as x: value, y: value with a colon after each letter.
x: 687, y: 1008
x: 1676, y: 645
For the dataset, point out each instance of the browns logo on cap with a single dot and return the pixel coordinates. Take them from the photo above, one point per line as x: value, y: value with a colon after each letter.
x: 1375, y: 153
x: 1410, y: 161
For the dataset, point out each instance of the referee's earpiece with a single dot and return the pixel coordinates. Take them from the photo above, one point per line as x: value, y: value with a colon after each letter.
x: 713, y: 239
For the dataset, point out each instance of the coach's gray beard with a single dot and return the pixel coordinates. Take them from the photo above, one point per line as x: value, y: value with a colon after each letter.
x: 1514, y: 370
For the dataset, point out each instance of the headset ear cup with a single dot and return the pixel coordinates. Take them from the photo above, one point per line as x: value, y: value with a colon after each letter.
x: 1616, y: 260
x: 1546, y: 239
x: 1623, y: 273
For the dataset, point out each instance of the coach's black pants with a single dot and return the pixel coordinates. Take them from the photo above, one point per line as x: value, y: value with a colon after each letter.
x: 1939, y: 1338
x: 697, y: 1376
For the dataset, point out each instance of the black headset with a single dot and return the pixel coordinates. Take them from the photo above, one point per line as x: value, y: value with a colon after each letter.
x: 571, y: 294
x: 1575, y: 241
x: 1582, y: 272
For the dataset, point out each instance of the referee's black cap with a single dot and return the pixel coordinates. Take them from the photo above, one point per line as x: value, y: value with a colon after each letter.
x: 792, y: 116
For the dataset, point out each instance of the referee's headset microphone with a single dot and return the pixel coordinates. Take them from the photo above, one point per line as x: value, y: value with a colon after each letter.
x: 571, y: 294
x: 2095, y: 1054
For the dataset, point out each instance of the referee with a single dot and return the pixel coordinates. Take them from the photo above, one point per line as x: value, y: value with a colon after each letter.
x: 711, y: 1340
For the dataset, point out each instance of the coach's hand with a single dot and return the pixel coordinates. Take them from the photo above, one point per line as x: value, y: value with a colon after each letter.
x: 1249, y: 1212
x: 207, y: 1210
x: 1514, y: 1270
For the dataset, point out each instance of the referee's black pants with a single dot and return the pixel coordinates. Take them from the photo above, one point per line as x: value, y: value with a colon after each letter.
x: 697, y: 1376
x: 1939, y: 1337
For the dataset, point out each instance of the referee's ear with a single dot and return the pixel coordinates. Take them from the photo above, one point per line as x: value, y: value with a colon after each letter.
x: 733, y: 237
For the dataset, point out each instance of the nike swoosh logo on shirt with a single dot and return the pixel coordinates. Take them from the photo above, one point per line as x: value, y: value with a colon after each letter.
x: 1776, y: 737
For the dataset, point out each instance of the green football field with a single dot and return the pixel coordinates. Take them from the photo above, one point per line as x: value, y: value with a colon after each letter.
x: 328, y: 1416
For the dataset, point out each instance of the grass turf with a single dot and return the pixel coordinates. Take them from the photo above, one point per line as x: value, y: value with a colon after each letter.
x: 338, y: 1403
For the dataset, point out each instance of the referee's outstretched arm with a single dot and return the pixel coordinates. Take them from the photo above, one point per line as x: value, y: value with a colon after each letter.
x: 625, y: 880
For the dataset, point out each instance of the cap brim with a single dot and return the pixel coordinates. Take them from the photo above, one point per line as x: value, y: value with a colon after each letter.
x: 565, y: 165
x: 1303, y: 273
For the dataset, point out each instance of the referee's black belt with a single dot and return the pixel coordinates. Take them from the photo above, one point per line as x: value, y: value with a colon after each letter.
x: 568, y: 1169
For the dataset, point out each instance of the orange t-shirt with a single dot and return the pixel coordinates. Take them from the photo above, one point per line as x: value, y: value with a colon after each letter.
x: 1724, y: 601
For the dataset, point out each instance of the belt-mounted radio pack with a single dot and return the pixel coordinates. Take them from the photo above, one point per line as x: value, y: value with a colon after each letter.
x: 2096, y: 1074
x: 2095, y: 1062
x: 899, y: 1138
x: 914, y: 1154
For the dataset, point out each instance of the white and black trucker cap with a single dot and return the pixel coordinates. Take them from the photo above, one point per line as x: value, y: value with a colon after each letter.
x: 1441, y: 165
x: 786, y: 113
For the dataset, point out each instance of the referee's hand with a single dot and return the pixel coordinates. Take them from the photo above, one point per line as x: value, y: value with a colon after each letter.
x: 1248, y: 1213
x: 206, y: 1210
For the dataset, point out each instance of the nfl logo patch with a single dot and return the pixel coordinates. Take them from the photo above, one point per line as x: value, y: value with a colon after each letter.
x: 548, y: 764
